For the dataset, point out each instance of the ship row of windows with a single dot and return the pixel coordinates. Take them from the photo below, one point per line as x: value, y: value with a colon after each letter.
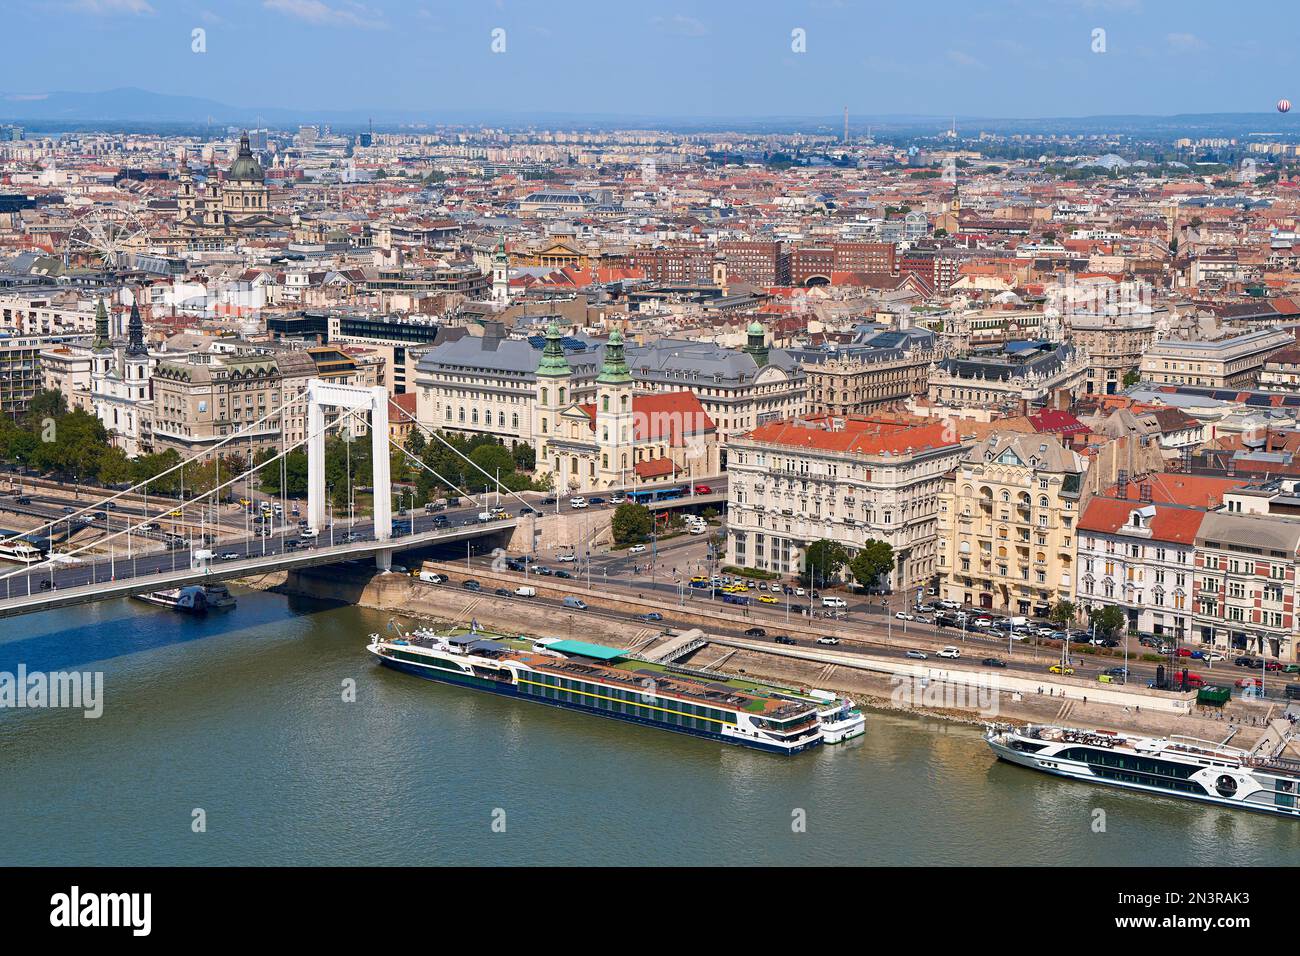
x: 629, y: 702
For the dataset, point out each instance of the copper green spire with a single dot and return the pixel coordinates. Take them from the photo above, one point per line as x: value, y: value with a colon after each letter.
x: 101, y: 342
x: 553, y: 363
x: 757, y: 346
x: 615, y: 370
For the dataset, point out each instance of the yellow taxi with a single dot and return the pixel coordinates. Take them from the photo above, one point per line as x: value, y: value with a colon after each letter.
x: 174, y: 514
x: 767, y: 599
x: 1059, y: 669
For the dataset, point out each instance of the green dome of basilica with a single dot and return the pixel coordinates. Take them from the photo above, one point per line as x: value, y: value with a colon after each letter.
x: 245, y: 168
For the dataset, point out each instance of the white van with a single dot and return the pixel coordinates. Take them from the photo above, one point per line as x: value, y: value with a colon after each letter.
x: 429, y: 577
x: 834, y: 602
x: 525, y: 590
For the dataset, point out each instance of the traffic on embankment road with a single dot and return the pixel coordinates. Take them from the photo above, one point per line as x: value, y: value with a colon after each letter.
x: 869, y: 646
x: 873, y: 619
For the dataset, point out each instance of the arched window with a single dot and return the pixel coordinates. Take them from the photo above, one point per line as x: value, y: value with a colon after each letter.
x: 1042, y: 501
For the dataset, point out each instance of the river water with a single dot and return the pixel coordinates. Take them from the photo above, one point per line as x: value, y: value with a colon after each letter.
x: 237, y: 726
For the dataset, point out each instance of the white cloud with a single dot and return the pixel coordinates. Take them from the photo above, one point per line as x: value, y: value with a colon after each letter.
x: 680, y: 25
x: 964, y: 59
x: 1185, y: 42
x: 322, y: 14
x: 111, y: 7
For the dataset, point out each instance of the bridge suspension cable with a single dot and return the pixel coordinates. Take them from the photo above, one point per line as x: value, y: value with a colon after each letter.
x: 62, y: 557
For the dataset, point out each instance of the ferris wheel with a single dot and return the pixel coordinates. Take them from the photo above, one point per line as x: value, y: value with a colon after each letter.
x: 107, y: 234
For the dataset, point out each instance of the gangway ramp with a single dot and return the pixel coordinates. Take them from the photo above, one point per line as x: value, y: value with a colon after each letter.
x: 675, y: 648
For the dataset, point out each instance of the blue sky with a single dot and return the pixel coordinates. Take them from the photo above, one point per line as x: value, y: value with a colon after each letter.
x: 1008, y: 58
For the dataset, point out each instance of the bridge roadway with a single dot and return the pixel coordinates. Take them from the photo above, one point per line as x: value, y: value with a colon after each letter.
x: 106, y: 579
x: 58, y: 585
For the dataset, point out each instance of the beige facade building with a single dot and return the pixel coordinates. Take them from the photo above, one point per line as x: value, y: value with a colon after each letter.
x: 1232, y: 362
x: 850, y: 480
x: 1008, y: 519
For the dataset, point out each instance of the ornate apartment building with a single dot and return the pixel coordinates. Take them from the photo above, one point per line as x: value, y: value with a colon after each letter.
x: 1008, y: 517
x: 1115, y: 345
x: 852, y: 381
x: 850, y: 480
x: 1006, y: 377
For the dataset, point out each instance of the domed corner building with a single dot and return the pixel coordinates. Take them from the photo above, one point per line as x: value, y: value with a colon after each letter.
x: 233, y: 204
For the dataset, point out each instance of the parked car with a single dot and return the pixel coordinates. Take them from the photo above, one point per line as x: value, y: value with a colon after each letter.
x: 756, y: 632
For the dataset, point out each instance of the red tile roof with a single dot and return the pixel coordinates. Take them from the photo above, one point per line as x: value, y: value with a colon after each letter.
x: 861, y: 436
x: 1172, y: 523
x: 1197, y: 491
x: 654, y: 468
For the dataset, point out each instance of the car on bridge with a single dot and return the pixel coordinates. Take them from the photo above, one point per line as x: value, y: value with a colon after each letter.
x: 756, y: 632
x: 950, y: 652
x: 230, y: 555
x: 703, y: 490
x: 577, y: 502
x: 471, y: 585
x: 782, y: 639
x: 831, y: 641
x: 993, y: 662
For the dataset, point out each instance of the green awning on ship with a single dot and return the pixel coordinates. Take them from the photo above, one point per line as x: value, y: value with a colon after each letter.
x: 598, y: 651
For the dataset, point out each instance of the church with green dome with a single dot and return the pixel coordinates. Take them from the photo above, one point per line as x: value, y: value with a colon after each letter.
x: 229, y: 205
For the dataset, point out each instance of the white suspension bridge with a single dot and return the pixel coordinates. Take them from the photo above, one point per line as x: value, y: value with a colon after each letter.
x: 126, y: 560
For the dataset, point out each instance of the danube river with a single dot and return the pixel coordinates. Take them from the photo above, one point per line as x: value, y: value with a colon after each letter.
x: 239, y: 721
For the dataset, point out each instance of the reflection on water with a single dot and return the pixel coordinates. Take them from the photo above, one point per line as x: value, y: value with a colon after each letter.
x: 242, y: 714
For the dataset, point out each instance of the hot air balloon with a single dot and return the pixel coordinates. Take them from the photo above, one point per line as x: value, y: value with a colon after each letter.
x: 1284, y: 106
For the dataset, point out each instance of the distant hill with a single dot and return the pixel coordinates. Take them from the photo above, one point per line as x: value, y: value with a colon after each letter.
x: 129, y: 105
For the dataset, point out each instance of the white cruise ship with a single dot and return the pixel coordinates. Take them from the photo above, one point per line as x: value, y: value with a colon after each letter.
x: 1171, y: 766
